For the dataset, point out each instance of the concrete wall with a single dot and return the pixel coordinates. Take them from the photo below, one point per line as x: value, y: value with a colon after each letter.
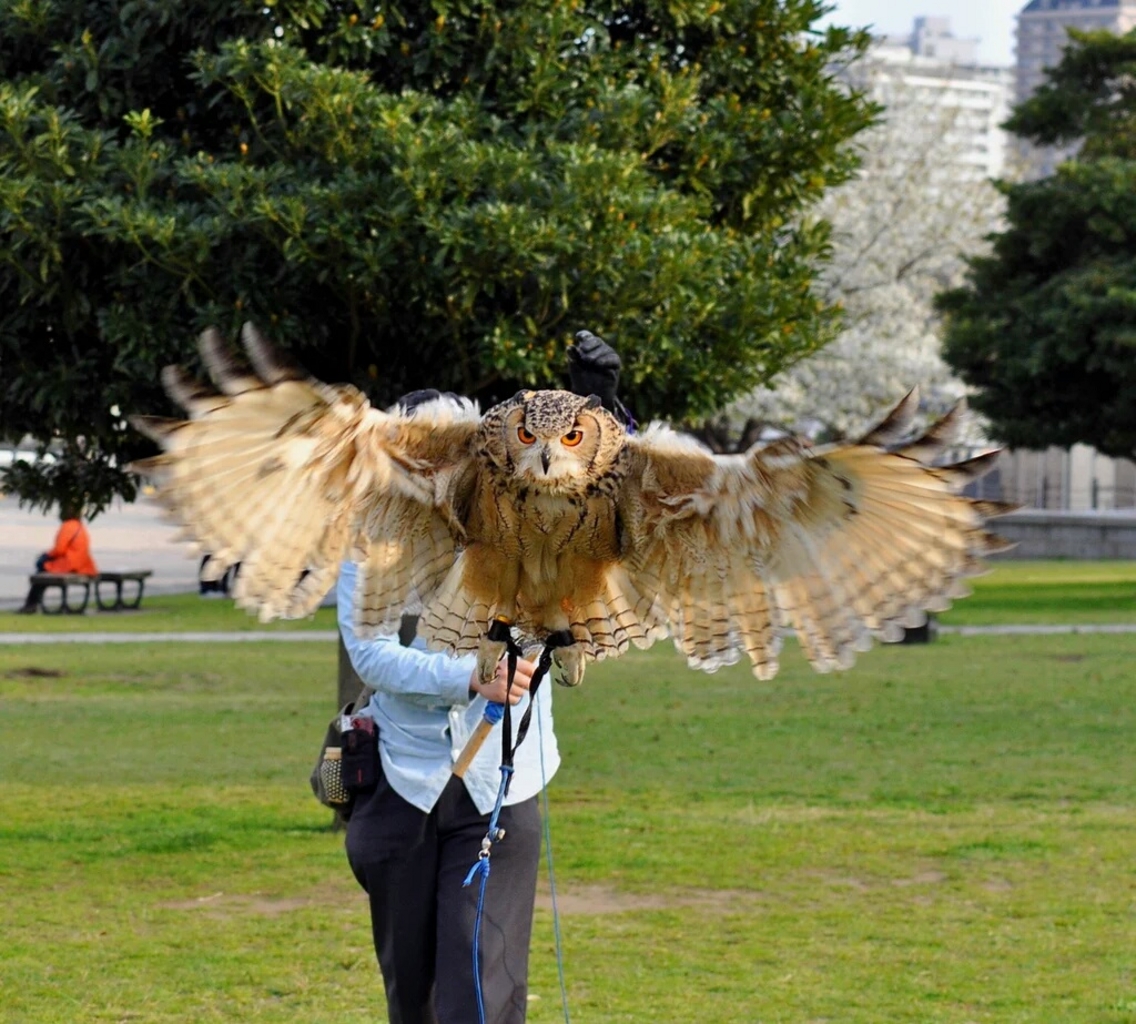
x: 1042, y: 533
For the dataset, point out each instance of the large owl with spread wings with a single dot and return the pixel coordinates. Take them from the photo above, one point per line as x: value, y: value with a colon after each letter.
x: 545, y: 514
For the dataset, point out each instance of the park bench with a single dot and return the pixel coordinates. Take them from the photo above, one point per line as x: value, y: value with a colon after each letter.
x: 68, y: 583
x: 136, y: 577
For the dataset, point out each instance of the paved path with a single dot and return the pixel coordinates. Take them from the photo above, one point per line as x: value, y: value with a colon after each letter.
x: 323, y: 635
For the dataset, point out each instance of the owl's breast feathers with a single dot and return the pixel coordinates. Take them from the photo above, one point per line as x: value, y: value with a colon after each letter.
x: 541, y: 527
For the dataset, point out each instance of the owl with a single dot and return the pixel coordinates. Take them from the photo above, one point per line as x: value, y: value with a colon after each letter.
x: 546, y: 515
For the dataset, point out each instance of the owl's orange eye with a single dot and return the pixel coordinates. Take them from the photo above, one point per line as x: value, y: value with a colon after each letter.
x: 525, y: 436
x: 572, y: 438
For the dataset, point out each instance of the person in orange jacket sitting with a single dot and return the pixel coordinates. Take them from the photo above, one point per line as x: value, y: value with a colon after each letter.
x: 70, y: 554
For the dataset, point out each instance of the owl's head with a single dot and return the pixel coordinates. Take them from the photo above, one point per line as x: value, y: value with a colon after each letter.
x: 559, y: 441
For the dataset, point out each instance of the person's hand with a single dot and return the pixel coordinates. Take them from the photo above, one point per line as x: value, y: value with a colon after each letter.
x: 593, y: 368
x: 495, y: 689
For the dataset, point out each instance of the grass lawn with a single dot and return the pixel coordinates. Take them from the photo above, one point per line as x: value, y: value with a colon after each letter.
x: 163, y: 613
x: 943, y: 834
x: 1047, y: 592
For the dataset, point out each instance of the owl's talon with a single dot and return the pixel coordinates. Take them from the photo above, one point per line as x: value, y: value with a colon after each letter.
x: 489, y: 653
x: 568, y: 665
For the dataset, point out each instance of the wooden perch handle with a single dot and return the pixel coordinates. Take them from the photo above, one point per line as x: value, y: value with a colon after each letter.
x: 473, y: 745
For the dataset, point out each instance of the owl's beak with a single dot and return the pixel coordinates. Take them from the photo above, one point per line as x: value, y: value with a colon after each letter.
x: 545, y: 458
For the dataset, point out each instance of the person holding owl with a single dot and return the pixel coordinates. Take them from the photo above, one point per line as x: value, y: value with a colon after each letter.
x: 411, y: 841
x: 545, y: 513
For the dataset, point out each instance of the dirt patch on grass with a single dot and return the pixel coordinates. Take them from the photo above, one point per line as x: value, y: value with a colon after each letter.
x: 841, y: 881
x: 234, y: 904
x: 921, y: 878
x: 998, y: 885
x: 221, y: 904
x: 33, y: 672
x: 580, y: 900
x: 605, y: 899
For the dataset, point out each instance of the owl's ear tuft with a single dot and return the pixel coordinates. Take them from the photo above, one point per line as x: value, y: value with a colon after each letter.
x: 593, y: 402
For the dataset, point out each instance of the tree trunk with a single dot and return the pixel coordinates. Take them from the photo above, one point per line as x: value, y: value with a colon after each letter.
x: 349, y: 682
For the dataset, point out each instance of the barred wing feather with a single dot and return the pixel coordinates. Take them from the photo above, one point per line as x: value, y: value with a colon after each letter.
x: 840, y: 545
x: 289, y: 476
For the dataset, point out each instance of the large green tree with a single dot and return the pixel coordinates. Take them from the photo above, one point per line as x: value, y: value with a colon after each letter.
x: 405, y: 194
x: 1045, y: 327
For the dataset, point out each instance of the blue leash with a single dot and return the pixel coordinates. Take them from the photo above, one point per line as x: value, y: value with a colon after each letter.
x: 482, y: 868
x: 494, y: 713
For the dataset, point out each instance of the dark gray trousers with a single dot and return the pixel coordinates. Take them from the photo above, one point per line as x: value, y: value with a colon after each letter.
x: 412, y: 866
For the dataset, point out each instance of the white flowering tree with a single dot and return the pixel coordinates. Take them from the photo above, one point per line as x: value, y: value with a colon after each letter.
x: 900, y: 231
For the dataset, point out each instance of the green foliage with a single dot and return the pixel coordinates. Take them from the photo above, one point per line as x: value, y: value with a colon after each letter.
x: 416, y: 194
x: 1090, y: 96
x: 1045, y: 327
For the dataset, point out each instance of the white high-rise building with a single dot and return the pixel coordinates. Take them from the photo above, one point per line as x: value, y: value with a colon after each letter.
x: 1042, y: 32
x: 932, y: 37
x: 934, y: 69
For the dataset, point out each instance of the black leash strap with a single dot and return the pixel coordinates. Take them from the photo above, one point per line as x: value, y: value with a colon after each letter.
x: 500, y: 630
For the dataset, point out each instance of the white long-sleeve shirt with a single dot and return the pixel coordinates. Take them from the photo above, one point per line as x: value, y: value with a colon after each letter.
x: 425, y: 714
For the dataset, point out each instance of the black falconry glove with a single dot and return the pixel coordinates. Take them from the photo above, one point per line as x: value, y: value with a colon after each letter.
x: 413, y: 399
x: 593, y: 368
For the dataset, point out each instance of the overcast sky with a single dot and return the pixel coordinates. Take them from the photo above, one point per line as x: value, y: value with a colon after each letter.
x: 991, y: 21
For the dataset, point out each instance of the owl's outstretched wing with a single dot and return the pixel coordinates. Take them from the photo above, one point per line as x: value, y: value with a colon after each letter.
x: 288, y: 476
x: 843, y: 544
